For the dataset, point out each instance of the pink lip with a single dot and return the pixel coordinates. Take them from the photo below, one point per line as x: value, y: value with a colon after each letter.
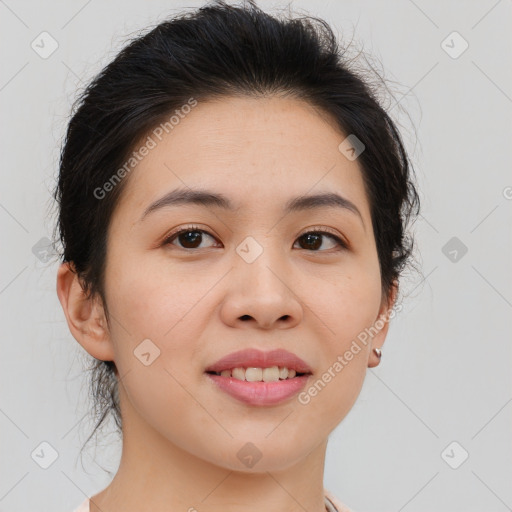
x: 255, y: 358
x: 260, y: 393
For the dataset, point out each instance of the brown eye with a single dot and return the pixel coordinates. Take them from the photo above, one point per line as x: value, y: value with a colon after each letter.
x: 312, y: 240
x: 188, y: 238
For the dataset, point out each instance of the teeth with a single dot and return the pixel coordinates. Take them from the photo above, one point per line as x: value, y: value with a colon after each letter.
x: 272, y: 374
x: 238, y: 373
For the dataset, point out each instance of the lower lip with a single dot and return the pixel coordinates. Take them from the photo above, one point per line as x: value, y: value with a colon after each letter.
x: 260, y: 393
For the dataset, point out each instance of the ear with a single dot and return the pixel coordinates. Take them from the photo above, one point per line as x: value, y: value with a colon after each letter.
x: 85, y: 316
x: 382, y: 324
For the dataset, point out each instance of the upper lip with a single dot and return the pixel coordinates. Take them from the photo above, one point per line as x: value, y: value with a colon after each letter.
x: 255, y: 358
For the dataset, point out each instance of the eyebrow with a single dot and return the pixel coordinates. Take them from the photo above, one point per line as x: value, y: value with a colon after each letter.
x: 209, y: 199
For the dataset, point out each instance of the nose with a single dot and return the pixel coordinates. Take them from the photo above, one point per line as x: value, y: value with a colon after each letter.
x: 261, y: 294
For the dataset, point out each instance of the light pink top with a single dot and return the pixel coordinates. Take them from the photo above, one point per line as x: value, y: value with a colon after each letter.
x: 338, y: 506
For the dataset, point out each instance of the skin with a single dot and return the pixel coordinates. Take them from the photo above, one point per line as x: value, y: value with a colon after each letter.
x: 182, y: 434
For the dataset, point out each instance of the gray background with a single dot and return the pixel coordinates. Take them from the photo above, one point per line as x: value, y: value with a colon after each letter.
x: 445, y: 373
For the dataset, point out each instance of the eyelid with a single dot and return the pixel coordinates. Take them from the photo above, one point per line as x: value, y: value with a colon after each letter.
x: 191, y: 227
x: 324, y: 229
x: 344, y: 244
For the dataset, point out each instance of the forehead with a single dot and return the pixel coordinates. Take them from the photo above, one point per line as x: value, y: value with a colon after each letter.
x: 254, y: 150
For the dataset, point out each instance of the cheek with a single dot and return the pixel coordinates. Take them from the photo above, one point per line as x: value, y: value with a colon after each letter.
x: 348, y: 308
x: 348, y: 303
x: 154, y: 303
x: 332, y: 392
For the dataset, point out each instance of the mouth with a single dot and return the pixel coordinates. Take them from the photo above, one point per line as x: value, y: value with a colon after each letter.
x: 259, y: 387
x: 252, y: 374
x: 260, y: 378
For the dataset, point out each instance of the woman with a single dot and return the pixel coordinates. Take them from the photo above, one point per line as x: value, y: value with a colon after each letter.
x: 233, y: 204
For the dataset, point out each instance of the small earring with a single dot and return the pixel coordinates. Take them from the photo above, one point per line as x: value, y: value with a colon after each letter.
x: 378, y: 352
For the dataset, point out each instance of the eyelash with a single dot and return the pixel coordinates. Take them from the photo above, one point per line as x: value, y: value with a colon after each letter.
x: 169, y: 239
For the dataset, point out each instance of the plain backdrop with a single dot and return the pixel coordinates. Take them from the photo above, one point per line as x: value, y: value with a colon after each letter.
x: 431, y: 429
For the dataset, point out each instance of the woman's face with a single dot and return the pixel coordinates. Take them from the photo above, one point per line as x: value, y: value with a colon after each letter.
x: 248, y: 279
